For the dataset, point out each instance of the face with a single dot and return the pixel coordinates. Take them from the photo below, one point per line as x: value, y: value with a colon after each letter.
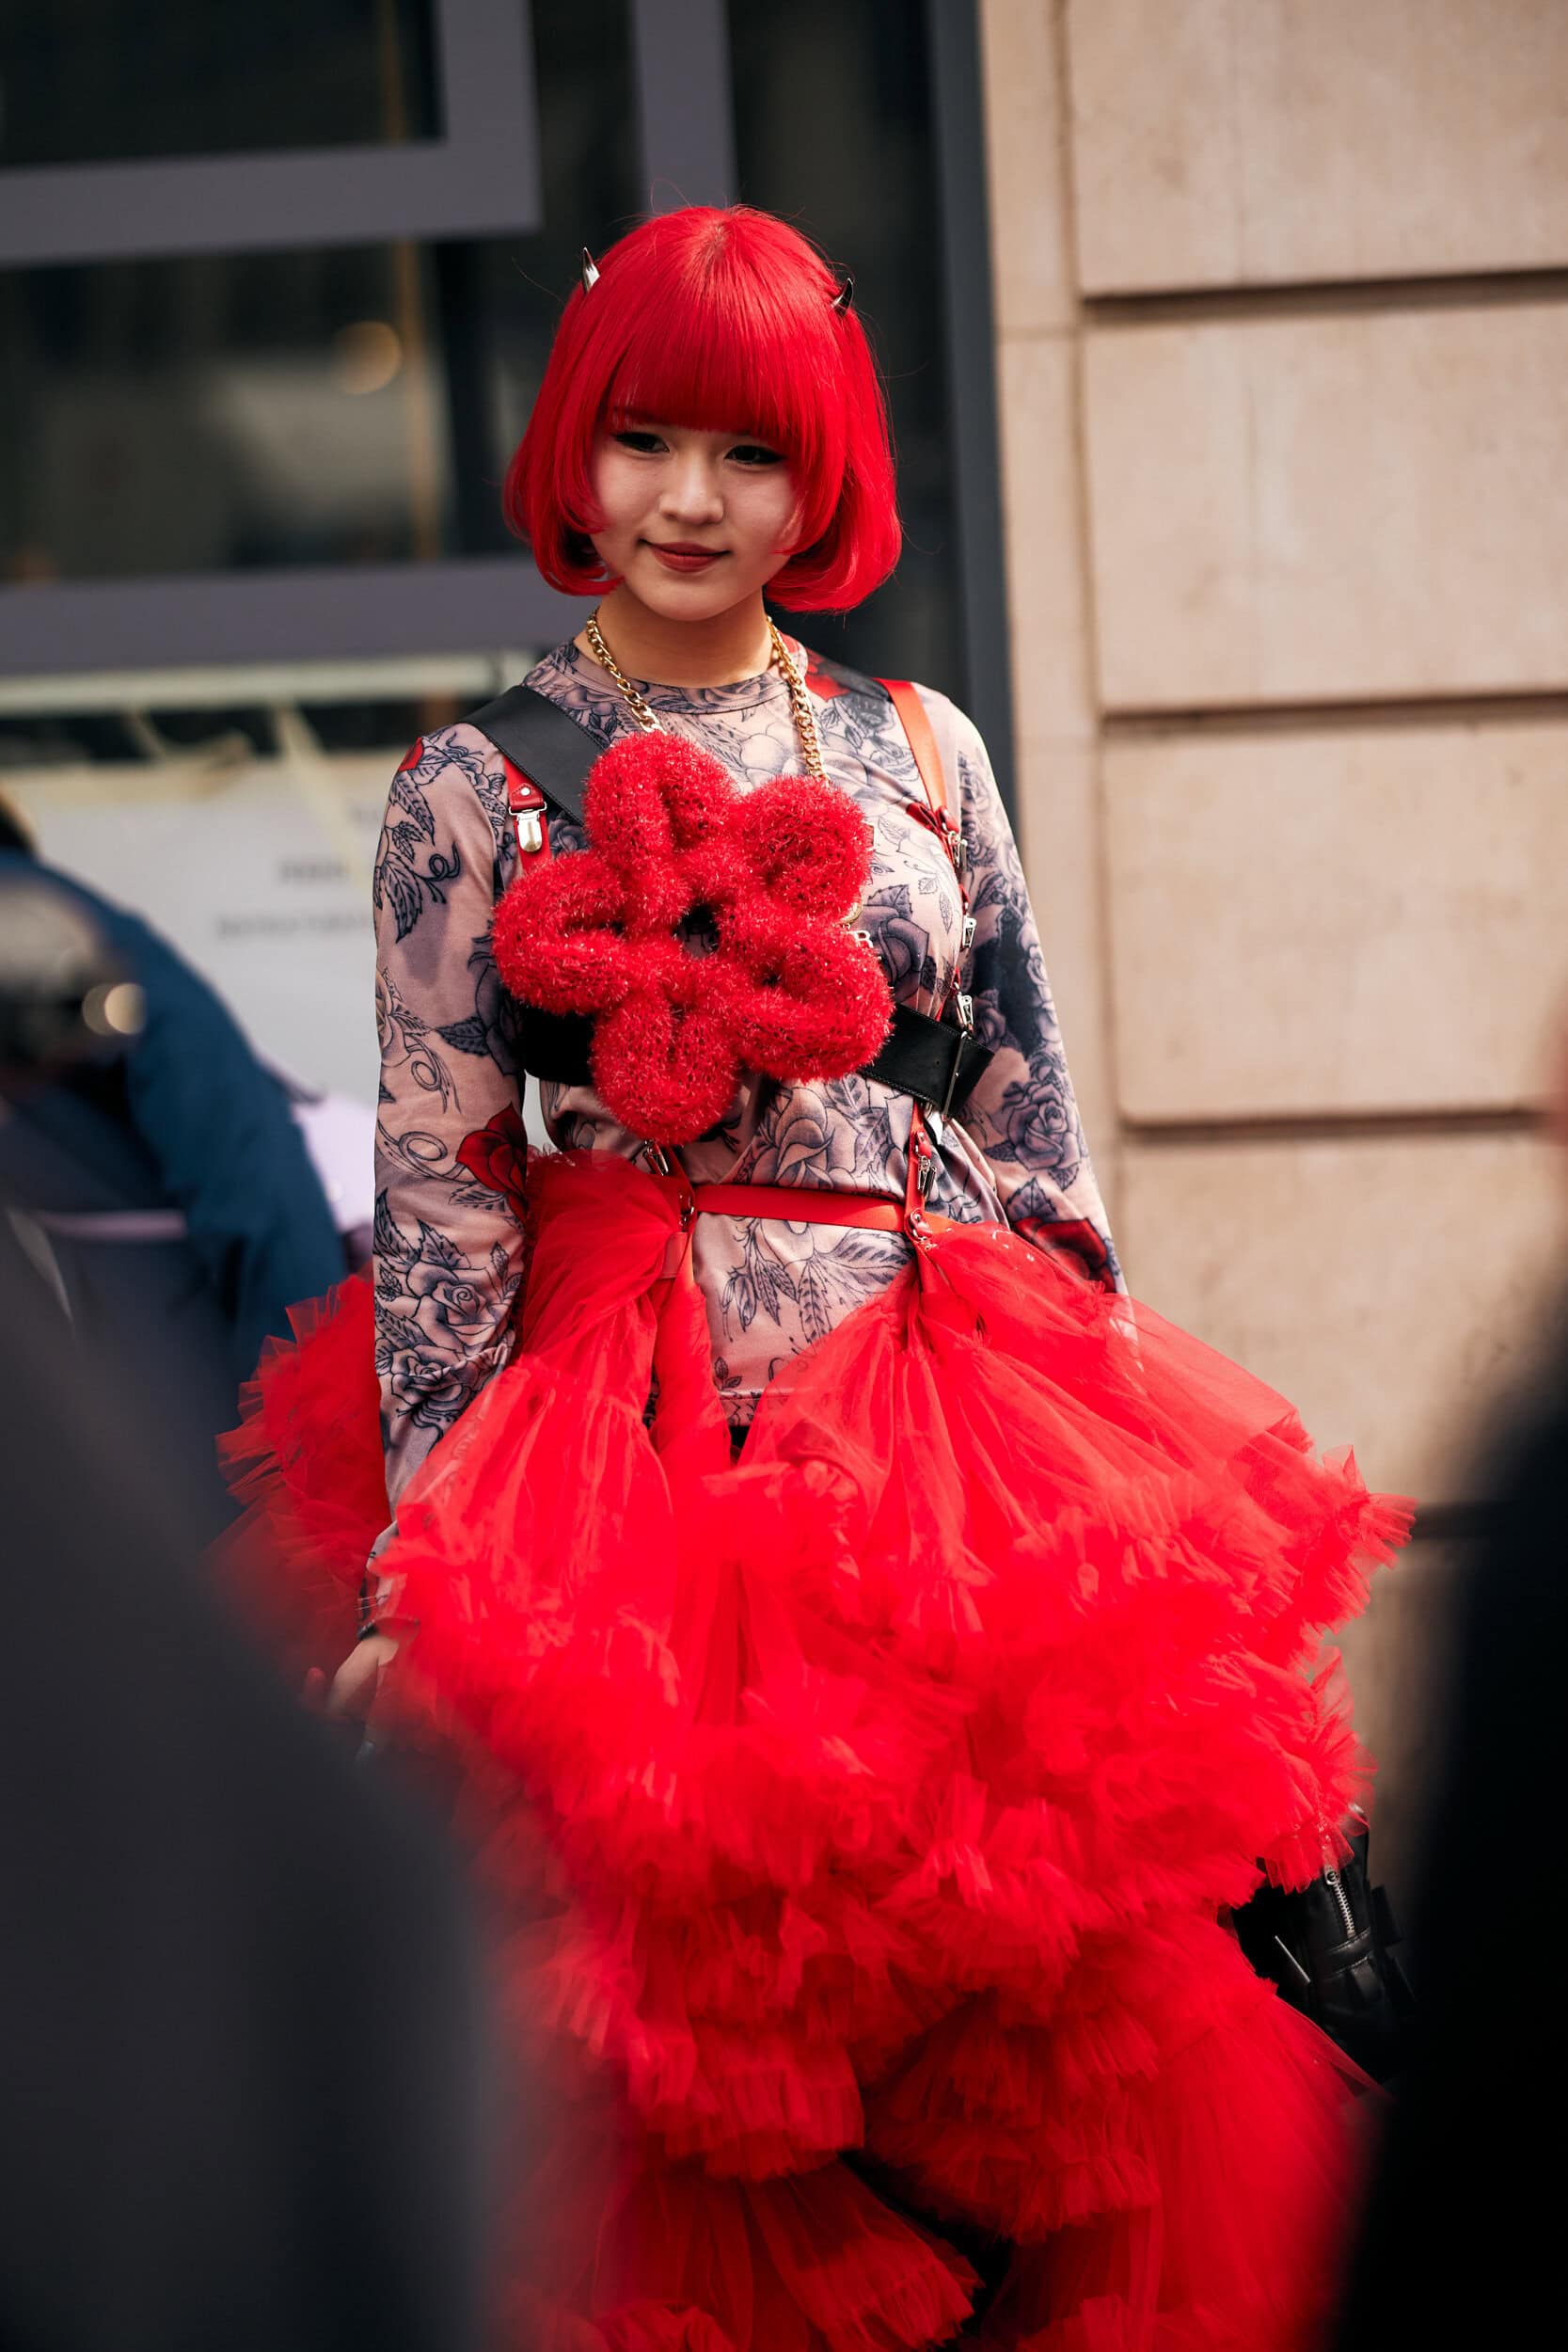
x: 695, y: 522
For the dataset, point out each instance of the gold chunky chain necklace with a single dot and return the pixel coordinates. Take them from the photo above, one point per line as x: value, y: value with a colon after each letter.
x: 649, y: 721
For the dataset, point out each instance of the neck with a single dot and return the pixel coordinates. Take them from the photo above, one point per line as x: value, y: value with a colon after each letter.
x: 717, y: 652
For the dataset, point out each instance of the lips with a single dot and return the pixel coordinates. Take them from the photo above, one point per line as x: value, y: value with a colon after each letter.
x: 678, y: 558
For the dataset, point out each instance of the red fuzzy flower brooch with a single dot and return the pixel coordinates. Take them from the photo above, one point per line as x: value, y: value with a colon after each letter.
x: 769, y: 877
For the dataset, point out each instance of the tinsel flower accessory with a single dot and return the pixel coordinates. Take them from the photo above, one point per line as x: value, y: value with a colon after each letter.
x: 770, y: 876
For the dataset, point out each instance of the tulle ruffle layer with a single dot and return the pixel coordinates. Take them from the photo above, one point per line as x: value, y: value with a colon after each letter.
x: 891, y: 1780
x: 306, y: 1463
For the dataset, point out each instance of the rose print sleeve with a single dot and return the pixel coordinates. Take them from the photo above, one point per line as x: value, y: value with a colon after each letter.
x: 1023, y: 1113
x: 450, y: 1139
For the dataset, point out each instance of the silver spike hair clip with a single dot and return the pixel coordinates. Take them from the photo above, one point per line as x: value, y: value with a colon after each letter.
x: 842, y: 300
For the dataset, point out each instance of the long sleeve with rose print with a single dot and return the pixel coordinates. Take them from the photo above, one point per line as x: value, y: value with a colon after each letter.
x: 450, y: 1139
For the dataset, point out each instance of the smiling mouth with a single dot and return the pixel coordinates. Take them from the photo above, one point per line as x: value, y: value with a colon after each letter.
x: 679, y: 558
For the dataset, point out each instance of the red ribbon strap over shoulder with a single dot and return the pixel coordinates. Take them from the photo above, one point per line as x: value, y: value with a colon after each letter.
x: 915, y: 722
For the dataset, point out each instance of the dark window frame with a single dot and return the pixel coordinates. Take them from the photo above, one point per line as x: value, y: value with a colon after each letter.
x: 484, y: 183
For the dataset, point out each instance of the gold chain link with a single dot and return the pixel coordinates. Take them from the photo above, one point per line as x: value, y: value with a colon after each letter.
x: 646, y: 718
x: 649, y: 721
x: 800, y: 702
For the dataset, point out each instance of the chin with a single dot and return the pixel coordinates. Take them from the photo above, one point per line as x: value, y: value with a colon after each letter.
x: 698, y: 598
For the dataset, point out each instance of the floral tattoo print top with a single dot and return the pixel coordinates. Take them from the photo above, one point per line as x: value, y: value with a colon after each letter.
x: 450, y: 1140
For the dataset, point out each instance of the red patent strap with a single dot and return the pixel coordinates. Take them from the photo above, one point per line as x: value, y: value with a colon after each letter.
x: 927, y: 759
x: 806, y: 1204
x: 922, y: 742
x: 798, y: 1204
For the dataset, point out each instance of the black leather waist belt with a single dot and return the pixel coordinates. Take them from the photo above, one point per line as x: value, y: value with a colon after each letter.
x: 936, y: 1062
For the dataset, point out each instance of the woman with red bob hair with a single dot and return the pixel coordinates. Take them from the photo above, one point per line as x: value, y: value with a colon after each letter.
x: 880, y: 1654
x: 711, y: 316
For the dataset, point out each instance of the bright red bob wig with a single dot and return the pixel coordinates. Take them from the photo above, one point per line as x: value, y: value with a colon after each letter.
x: 720, y: 321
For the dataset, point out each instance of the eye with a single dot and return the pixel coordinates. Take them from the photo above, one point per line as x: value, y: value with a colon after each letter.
x: 755, y: 454
x: 646, y: 444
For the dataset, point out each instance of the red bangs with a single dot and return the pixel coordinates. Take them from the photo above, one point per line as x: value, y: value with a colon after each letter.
x: 720, y: 321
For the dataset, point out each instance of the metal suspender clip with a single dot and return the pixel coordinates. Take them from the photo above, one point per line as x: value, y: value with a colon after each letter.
x: 527, y: 805
x: 939, y: 821
x: 926, y: 1166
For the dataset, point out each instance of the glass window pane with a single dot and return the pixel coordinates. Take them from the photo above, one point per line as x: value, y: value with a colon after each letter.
x: 220, y: 412
x: 122, y: 81
x: 847, y: 88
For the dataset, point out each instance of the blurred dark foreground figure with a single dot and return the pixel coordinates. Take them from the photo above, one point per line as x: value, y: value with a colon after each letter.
x: 239, y: 2045
x: 1458, y: 2246
x: 240, y: 2036
x: 167, y: 1189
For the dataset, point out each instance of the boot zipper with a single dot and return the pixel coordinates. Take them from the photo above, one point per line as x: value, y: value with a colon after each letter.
x: 1333, y: 1879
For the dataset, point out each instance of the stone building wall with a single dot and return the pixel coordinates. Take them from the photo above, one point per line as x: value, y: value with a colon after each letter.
x: 1281, y: 294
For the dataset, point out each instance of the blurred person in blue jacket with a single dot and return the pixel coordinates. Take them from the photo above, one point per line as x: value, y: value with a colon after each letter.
x: 160, y: 1182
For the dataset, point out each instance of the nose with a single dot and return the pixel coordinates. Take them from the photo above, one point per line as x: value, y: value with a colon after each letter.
x: 691, y: 493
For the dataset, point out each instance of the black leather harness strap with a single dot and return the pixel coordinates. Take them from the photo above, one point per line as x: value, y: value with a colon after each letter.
x: 938, y: 1062
x: 544, y: 741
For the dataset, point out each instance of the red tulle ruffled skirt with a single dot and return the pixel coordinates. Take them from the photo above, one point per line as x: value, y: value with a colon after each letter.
x: 866, y: 1807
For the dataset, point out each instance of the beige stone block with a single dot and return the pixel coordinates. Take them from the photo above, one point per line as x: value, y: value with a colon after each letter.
x: 1031, y: 269
x: 1059, y: 837
x: 1149, y: 192
x: 1329, y: 508
x: 1344, y: 921
x: 1043, y: 537
x: 1388, y: 1287
x: 1255, y: 142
